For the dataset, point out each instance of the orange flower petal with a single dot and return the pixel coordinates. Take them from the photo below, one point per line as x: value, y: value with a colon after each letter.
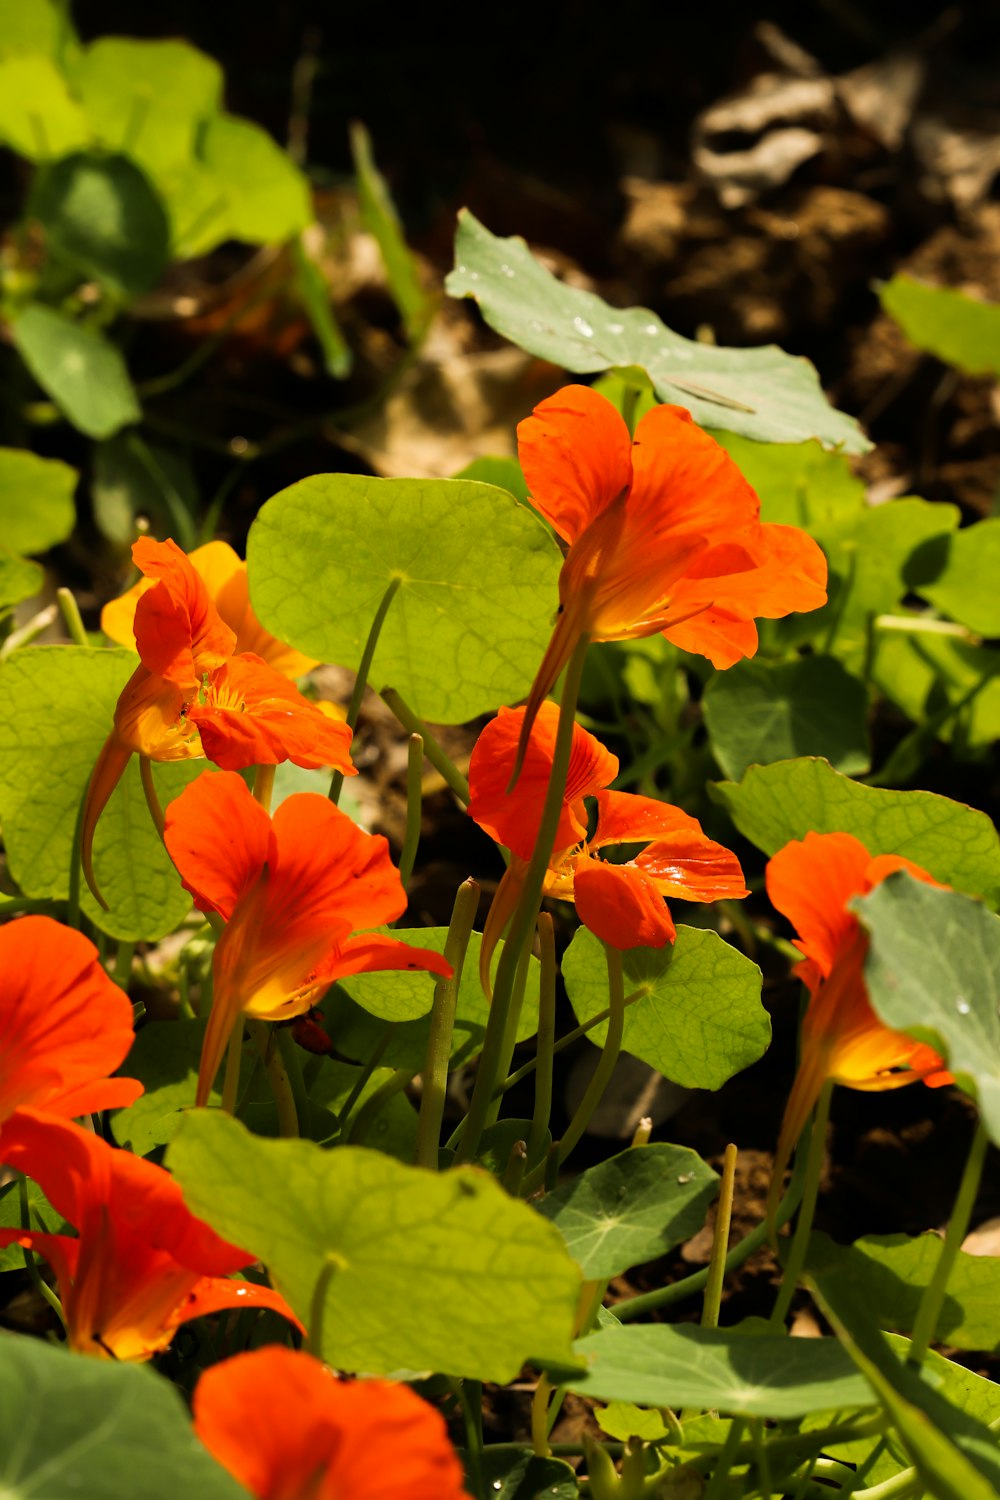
x: 178, y: 631
x: 621, y: 905
x: 575, y: 451
x: 213, y: 1293
x: 810, y: 881
x: 685, y: 482
x: 324, y: 1438
x: 722, y: 637
x: 64, y: 1025
x: 220, y: 839
x: 370, y: 954
x: 252, y: 716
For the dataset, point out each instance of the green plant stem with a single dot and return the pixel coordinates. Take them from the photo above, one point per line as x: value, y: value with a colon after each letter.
x: 933, y: 1296
x: 810, y: 1194
x: 373, y: 1105
x: 720, y: 1241
x: 545, y: 1039
x: 510, y: 1034
x: 75, y: 869
x: 901, y: 1486
x: 150, y: 793
x: 717, y: 1483
x: 290, y: 1060
x: 367, y: 1069
x: 470, y: 1396
x: 30, y: 1264
x: 442, y: 1027
x: 281, y: 1088
x: 570, y: 1038
x: 361, y: 680
x: 677, y: 1291
x: 414, y: 806
x: 317, y: 1305
x: 123, y: 964
x: 610, y: 1053
x: 525, y: 914
x: 763, y: 1460
x: 231, y: 1080
x: 72, y: 618
x: 441, y: 762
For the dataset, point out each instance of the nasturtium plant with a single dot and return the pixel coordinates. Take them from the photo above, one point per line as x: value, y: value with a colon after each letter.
x: 961, y: 330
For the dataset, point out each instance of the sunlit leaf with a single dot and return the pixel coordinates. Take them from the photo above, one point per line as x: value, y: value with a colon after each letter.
x: 966, y: 586
x: 89, y: 1427
x: 56, y: 708
x: 102, y: 217
x: 631, y: 1208
x: 437, y: 1271
x: 267, y: 197
x: 799, y: 484
x: 698, y: 1019
x: 39, y: 117
x: 379, y: 216
x: 741, y: 1373
x: 36, y: 501
x: 40, y: 27
x: 933, y: 970
x: 761, y: 393
x: 79, y: 368
x: 147, y: 98
x: 759, y: 712
x: 774, y: 804
x: 951, y: 685
x: 477, y: 575
x: 959, y: 329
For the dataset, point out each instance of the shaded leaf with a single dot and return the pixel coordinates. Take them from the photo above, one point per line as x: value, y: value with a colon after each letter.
x: 773, y: 804
x: 478, y: 585
x: 933, y: 970
x: 759, y: 712
x: 761, y: 393
x: 699, y: 1019
x: 959, y: 329
x: 799, y: 484
x: 431, y: 1271
x: 522, y: 1476
x: 79, y: 368
x: 632, y: 1208
x: 102, y: 217
x: 966, y: 586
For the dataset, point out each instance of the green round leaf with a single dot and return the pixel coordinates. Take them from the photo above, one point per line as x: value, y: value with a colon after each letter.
x: 89, y: 1428
x: 19, y: 579
x: 966, y: 587
x: 961, y: 330
x: 477, y: 582
x: 36, y: 501
x: 79, y: 368
x: 267, y: 197
x: 432, y: 1271
x: 102, y: 217
x: 147, y: 98
x: 39, y: 117
x: 699, y: 1018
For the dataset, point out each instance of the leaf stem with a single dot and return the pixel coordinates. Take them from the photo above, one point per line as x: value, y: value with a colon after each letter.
x: 441, y: 762
x: 72, y: 618
x: 30, y: 1264
x: 234, y: 1056
x: 608, y: 1059
x: 810, y: 1194
x: 720, y: 1241
x: 361, y: 680
x: 933, y: 1296
x: 442, y: 1027
x: 545, y: 1039
x: 264, y: 1040
x: 150, y: 793
x: 414, y: 806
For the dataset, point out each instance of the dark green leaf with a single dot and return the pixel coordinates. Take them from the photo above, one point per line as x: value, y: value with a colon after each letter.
x: 79, y: 368
x: 698, y: 1019
x: 761, y: 393
x: 102, y: 217
x: 954, y: 843
x: 632, y: 1208
x: 522, y: 1476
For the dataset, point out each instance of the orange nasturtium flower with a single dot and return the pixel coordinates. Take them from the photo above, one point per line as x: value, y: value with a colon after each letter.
x: 193, y: 695
x: 292, y: 891
x: 64, y: 1025
x: 663, y: 533
x: 142, y: 1264
x: 623, y: 904
x: 811, y: 882
x: 324, y: 1438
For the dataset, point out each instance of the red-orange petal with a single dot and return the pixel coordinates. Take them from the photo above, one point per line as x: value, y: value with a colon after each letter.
x: 575, y: 451
x: 375, y: 953
x: 621, y: 905
x: 681, y: 860
x: 252, y: 716
x: 220, y: 840
x: 810, y: 881
x: 213, y: 1293
x: 324, y: 1438
x: 64, y: 1026
x: 684, y: 481
x: 179, y: 633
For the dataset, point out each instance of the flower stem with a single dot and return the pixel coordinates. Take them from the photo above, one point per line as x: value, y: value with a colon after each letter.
x: 72, y: 618
x: 720, y: 1241
x: 361, y: 680
x: 545, y: 1040
x: 810, y: 1194
x: 523, y: 921
x: 231, y: 1081
x: 442, y: 1026
x: 609, y: 1055
x: 441, y: 762
x: 152, y: 798
x: 414, y: 806
x: 281, y: 1088
x: 510, y: 1033
x: 932, y: 1300
x: 367, y: 1068
x: 30, y: 1264
x: 317, y: 1306
x: 263, y: 786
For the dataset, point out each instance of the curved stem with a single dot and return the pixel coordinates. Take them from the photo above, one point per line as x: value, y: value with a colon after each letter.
x: 933, y: 1296
x: 810, y: 1194
x: 317, y: 1306
x: 442, y: 1027
x: 234, y: 1056
x: 367, y: 1069
x: 361, y: 681
x: 30, y: 1264
x: 545, y: 1040
x: 720, y: 1241
x: 523, y: 921
x: 441, y: 762
x: 414, y: 806
x: 281, y: 1088
x: 608, y: 1059
x: 151, y: 795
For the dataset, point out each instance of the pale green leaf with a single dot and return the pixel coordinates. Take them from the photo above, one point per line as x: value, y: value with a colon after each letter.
x: 774, y: 804
x: 961, y: 330
x: 36, y: 501
x: 93, y: 1428
x: 79, y: 368
x: 102, y: 217
x: 698, y: 1019
x: 759, y: 712
x: 620, y: 1420
x: 19, y: 579
x: 966, y: 586
x: 267, y: 197
x: 41, y: 27
x: 952, y: 686
x: 438, y: 1271
x: 477, y: 575
x: 799, y: 484
x: 726, y: 1370
x: 56, y: 709
x: 761, y: 393
x: 933, y: 970
x: 147, y: 98
x: 39, y: 117
x: 632, y: 1208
